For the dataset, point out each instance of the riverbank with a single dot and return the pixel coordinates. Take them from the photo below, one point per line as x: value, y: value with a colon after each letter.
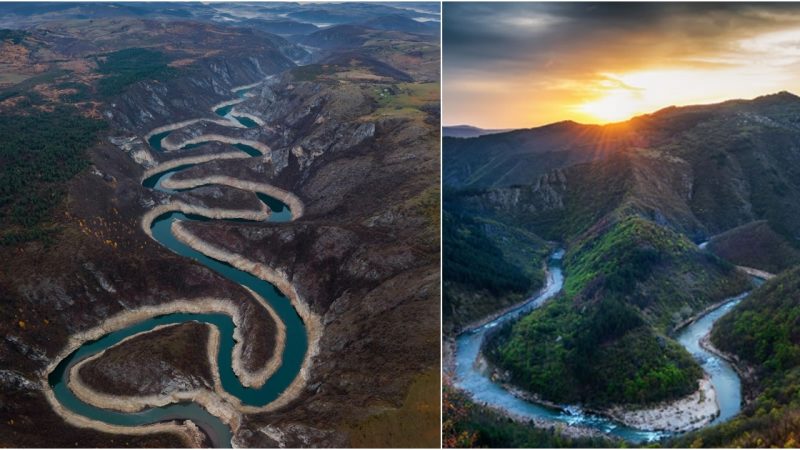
x: 568, y: 430
x: 491, y: 387
x: 186, y: 123
x: 311, y: 320
x: 211, y: 401
x: 756, y: 272
x: 688, y: 413
x: 126, y: 319
x: 472, y: 326
x: 187, y: 430
x: 295, y: 204
x: 685, y: 414
x: 262, y: 148
x: 217, y: 402
x: 745, y: 372
x: 191, y: 160
x: 211, y: 213
x: 695, y: 317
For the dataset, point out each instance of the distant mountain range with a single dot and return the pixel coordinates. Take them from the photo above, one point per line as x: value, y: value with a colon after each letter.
x: 284, y: 18
x: 467, y: 131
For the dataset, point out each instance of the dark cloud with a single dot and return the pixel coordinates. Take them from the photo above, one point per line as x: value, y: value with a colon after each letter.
x: 522, y: 35
x: 562, y: 43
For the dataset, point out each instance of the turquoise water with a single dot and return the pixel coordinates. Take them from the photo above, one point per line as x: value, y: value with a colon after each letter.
x: 219, y: 433
x: 248, y: 149
x: 224, y: 111
x: 292, y: 358
x: 155, y: 140
x: 280, y: 210
x: 246, y: 121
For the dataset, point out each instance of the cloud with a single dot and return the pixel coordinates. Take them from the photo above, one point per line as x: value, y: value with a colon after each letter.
x: 543, y: 52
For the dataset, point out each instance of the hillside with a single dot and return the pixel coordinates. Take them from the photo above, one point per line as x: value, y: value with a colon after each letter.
x: 698, y: 170
x: 762, y: 334
x: 755, y: 245
x: 729, y: 163
x: 490, y: 266
x: 605, y: 340
x: 398, y: 22
x: 466, y: 131
x: 514, y: 157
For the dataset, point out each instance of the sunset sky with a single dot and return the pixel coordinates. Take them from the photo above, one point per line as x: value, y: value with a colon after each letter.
x: 515, y: 65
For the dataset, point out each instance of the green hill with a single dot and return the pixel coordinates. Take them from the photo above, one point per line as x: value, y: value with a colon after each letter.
x: 488, y: 266
x: 763, y: 332
x: 605, y: 340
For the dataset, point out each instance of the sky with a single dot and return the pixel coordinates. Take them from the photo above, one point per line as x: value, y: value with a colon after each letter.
x: 520, y: 65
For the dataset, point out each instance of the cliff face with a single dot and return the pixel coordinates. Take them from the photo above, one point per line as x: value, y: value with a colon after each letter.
x: 546, y: 193
x: 151, y: 104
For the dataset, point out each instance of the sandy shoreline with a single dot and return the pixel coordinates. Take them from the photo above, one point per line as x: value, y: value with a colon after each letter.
x: 199, y: 159
x: 185, y: 123
x: 262, y: 148
x: 756, y: 272
x: 689, y: 413
x: 219, y: 403
x: 295, y: 205
x: 312, y: 321
x: 212, y: 213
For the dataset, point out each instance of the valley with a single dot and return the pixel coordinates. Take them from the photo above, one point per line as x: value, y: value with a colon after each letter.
x: 210, y: 271
x: 632, y: 331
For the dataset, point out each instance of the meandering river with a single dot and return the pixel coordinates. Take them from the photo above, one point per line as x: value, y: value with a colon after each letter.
x: 296, y: 344
x: 471, y: 376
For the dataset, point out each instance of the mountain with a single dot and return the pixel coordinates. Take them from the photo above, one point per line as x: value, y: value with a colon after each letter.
x: 700, y: 169
x: 629, y: 202
x: 399, y: 22
x: 344, y: 13
x: 487, y: 259
x: 340, y: 36
x: 515, y: 157
x: 282, y: 27
x: 466, y: 131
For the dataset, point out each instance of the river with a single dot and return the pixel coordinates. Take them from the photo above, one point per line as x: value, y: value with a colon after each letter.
x: 471, y: 376
x: 293, y: 355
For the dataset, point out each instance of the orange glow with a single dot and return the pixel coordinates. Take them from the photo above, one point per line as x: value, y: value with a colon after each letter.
x: 618, y: 97
x: 591, y: 87
x: 616, y: 105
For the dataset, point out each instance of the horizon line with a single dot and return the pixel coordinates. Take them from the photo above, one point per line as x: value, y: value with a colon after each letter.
x: 718, y: 102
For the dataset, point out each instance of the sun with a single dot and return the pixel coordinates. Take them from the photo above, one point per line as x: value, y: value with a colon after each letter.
x: 614, y: 106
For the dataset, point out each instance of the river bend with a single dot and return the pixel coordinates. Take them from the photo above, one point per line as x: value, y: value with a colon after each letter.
x: 296, y: 337
x: 471, y: 374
